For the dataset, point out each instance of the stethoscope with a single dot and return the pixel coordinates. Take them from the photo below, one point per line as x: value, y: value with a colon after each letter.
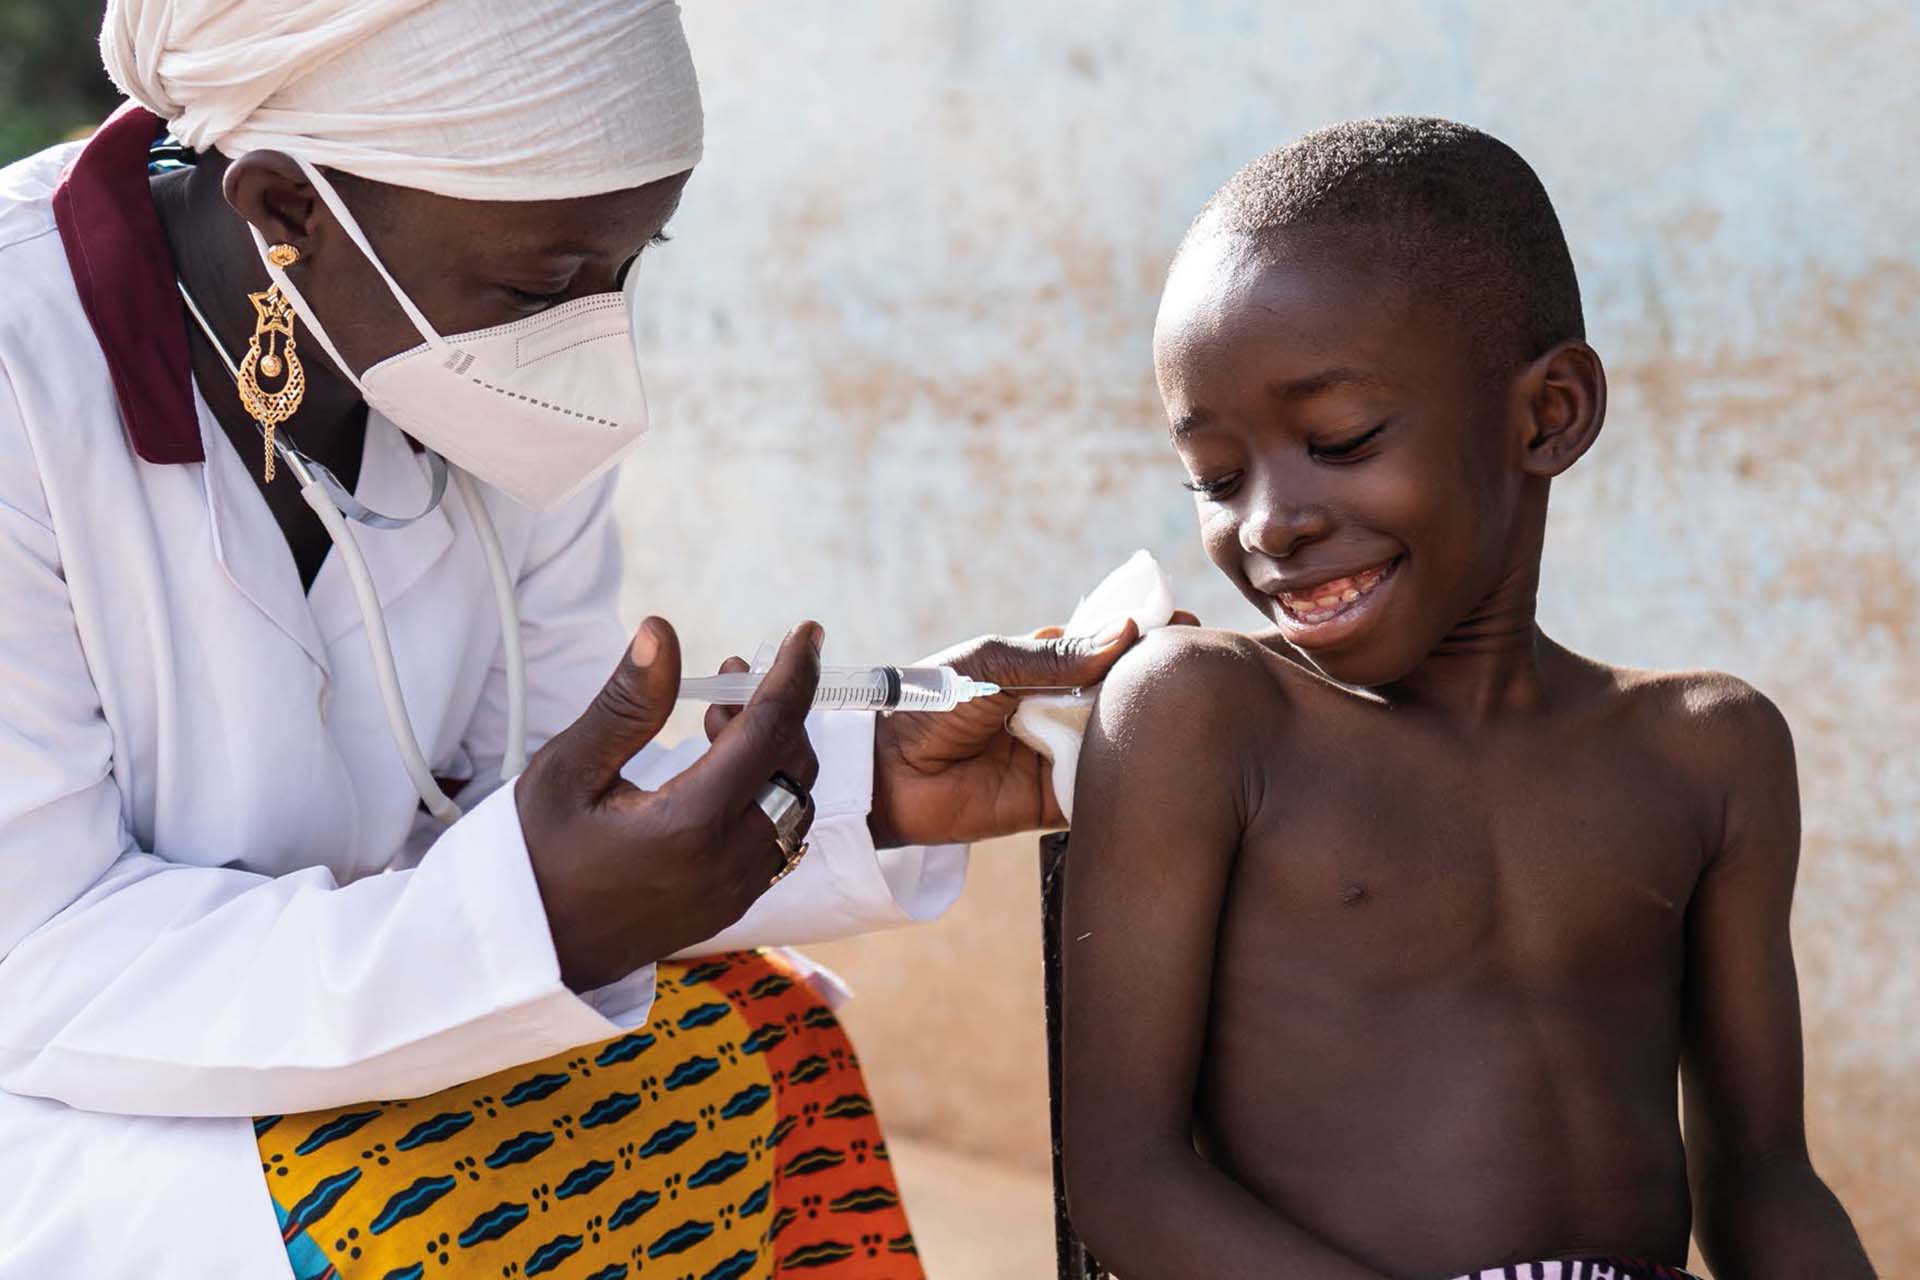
x: 335, y: 506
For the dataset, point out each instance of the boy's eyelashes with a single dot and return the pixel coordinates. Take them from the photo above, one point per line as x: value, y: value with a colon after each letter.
x: 1347, y: 450
x: 1214, y: 487
x: 1338, y: 452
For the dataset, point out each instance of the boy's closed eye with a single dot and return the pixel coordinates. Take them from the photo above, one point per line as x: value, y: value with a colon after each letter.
x: 1215, y: 487
x: 1349, y: 449
x: 1343, y: 451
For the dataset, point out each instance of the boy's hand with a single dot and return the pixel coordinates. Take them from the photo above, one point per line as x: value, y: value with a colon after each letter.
x: 954, y: 776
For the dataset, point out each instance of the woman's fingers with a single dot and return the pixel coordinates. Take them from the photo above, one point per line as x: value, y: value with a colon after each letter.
x: 718, y: 716
x: 1026, y: 661
x: 759, y: 828
x: 775, y: 720
x: 770, y: 732
x: 627, y: 876
x: 629, y: 710
x: 1180, y: 618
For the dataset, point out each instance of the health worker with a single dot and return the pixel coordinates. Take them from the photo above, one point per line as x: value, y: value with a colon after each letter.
x: 315, y: 363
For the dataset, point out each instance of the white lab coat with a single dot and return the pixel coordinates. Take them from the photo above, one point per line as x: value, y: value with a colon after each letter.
x: 218, y: 895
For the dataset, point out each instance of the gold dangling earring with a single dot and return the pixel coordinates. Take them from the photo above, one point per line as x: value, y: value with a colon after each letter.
x: 274, y: 315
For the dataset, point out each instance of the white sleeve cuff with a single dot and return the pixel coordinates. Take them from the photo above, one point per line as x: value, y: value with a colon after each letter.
x: 846, y: 886
x: 625, y: 1003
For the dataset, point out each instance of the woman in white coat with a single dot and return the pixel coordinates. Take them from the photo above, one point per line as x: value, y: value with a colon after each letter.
x: 261, y: 1013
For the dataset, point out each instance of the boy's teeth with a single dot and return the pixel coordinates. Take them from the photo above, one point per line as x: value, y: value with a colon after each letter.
x: 1332, y: 595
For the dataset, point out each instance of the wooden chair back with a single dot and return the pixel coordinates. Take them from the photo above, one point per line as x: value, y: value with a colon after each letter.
x: 1074, y: 1260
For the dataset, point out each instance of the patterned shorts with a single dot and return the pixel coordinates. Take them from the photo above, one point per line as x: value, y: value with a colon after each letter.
x: 1583, y: 1269
x: 731, y: 1138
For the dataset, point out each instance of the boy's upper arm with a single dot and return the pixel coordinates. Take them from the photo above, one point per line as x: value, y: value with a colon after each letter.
x: 1742, y: 1059
x: 1160, y: 804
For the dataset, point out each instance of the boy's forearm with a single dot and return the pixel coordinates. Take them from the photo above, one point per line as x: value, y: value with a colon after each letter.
x: 1774, y: 1220
x: 1177, y: 1217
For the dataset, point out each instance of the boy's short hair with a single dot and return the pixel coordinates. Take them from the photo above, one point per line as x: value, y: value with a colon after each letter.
x: 1448, y: 208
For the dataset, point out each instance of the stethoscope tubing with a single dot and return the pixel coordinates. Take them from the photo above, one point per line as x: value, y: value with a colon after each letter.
x: 317, y: 488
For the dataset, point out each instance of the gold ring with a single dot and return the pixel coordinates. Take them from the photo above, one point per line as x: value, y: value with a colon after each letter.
x: 793, y: 857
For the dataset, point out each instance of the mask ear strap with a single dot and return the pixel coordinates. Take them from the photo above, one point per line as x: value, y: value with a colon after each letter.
x: 352, y: 227
x: 279, y: 277
x: 348, y: 223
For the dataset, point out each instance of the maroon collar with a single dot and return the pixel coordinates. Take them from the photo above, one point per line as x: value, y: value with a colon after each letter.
x: 124, y: 273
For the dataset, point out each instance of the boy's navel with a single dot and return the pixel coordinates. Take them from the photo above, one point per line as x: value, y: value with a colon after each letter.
x: 1352, y: 895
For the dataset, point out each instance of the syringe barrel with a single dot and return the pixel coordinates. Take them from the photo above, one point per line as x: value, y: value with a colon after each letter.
x: 856, y: 689
x: 886, y: 689
x: 926, y: 688
x: 846, y: 688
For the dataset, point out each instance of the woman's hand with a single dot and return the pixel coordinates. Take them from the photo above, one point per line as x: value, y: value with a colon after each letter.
x: 629, y: 876
x: 959, y: 775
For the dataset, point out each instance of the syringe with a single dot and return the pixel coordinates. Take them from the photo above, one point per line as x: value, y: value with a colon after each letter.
x: 855, y: 688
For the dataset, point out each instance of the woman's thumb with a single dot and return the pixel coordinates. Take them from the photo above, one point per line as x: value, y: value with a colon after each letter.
x: 1085, y: 660
x: 630, y: 708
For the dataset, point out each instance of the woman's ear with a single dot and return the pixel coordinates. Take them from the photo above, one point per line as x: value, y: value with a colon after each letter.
x: 268, y: 189
x: 1564, y: 400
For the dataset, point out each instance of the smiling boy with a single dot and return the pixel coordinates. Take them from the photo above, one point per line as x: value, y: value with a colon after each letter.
x: 1394, y: 927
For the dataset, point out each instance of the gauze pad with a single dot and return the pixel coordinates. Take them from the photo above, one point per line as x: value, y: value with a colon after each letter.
x: 1053, y: 724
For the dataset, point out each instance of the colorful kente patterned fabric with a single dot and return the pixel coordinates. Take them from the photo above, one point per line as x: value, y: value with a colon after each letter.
x: 731, y: 1138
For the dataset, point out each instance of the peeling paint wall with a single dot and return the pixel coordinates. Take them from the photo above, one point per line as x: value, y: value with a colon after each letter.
x: 899, y: 361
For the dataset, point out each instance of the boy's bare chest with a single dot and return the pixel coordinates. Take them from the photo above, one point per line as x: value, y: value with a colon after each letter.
x: 1392, y: 865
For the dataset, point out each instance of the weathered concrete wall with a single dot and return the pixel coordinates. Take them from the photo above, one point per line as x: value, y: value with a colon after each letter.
x: 901, y: 378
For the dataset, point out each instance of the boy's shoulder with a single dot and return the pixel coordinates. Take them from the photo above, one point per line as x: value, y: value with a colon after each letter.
x: 1175, y: 728
x: 1696, y: 703
x: 1180, y: 670
x: 1196, y: 694
x: 1189, y: 691
x: 1710, y: 725
x: 1728, y: 749
x: 1190, y: 685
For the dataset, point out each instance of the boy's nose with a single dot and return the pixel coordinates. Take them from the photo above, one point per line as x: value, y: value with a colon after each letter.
x: 1278, y: 527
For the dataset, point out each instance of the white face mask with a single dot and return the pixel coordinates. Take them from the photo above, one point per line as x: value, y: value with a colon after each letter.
x: 536, y: 408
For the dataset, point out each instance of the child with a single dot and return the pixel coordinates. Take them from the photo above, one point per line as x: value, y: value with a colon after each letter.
x: 1390, y: 929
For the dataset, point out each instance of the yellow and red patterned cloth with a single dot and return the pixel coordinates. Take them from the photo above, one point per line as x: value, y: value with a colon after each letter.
x: 731, y: 1138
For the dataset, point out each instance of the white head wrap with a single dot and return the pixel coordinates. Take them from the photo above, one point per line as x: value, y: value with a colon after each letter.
x: 479, y: 99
